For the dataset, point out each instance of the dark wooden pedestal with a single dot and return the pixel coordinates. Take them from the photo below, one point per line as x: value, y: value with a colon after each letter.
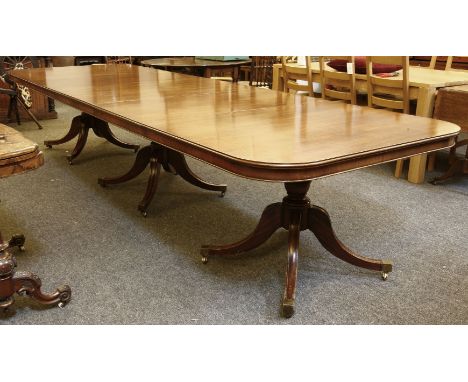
x: 80, y: 127
x: 20, y: 282
x: 296, y: 214
x: 457, y: 166
x: 171, y: 161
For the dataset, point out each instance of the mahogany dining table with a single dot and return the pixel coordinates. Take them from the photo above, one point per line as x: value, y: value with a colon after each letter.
x: 423, y: 82
x: 254, y: 133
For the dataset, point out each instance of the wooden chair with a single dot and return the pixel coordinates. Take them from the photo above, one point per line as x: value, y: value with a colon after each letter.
x: 338, y: 85
x: 391, y: 93
x: 292, y: 74
x: 118, y: 60
x: 261, y: 71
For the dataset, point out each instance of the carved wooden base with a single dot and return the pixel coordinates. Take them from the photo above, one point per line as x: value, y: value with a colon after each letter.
x: 80, y: 126
x: 28, y: 283
x: 158, y: 156
x: 296, y: 214
x: 457, y: 166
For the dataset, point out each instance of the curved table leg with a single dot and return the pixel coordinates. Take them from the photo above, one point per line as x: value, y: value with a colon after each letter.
x: 155, y: 169
x: 180, y: 165
x: 75, y: 129
x: 26, y: 282
x: 269, y: 222
x: 80, y: 144
x: 320, y: 225
x: 289, y: 296
x: 142, y: 160
x: 102, y: 129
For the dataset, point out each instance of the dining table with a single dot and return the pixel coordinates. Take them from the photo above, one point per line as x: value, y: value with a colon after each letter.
x: 254, y: 133
x: 423, y: 86
x: 208, y: 68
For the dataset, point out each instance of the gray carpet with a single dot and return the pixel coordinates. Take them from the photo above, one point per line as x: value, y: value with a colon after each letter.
x: 126, y: 269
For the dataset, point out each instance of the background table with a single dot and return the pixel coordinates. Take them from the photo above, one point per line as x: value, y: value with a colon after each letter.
x: 423, y: 84
x: 208, y: 68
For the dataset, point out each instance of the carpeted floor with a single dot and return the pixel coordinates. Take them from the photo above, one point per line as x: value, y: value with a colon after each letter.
x: 127, y: 269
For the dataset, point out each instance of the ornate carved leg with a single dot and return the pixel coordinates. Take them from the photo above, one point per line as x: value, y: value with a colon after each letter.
x: 25, y: 282
x: 177, y: 160
x: 142, y: 160
x: 80, y: 144
x: 102, y: 129
x: 320, y: 225
x: 269, y: 222
x: 289, y: 295
x: 155, y: 169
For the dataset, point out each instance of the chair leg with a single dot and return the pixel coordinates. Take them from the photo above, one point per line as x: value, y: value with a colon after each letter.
x: 398, y: 168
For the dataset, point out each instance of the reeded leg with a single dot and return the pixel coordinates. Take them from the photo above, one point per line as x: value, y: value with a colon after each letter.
x: 289, y: 296
x: 102, y: 129
x: 75, y: 129
x: 179, y: 163
x: 269, y: 222
x: 155, y: 169
x: 320, y: 225
x: 142, y: 160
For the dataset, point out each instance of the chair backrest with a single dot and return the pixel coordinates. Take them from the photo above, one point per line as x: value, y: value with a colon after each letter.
x: 393, y: 92
x: 261, y: 71
x: 338, y: 85
x: 293, y: 73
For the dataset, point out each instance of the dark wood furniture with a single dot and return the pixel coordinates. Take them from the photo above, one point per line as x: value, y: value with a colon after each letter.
x: 452, y: 105
x: 251, y: 132
x: 17, y: 155
x: 192, y: 65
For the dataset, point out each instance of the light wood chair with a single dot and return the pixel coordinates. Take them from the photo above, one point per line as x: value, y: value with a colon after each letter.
x: 294, y: 76
x: 118, y: 60
x: 392, y: 92
x: 338, y: 85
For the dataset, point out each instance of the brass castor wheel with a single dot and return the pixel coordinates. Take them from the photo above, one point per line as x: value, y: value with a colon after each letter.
x: 384, y: 276
x: 222, y: 194
x: 204, y: 259
x: 144, y: 213
x: 61, y: 304
x: 17, y: 241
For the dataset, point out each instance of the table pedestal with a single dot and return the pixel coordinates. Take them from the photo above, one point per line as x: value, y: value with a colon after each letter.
x: 457, y: 166
x: 296, y: 214
x: 171, y: 161
x: 80, y: 126
x: 12, y: 282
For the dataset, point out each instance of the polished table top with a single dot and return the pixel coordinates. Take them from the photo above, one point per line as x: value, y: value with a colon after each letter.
x: 191, y: 62
x: 252, y: 132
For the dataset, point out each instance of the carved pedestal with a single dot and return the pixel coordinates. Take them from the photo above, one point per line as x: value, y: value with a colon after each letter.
x: 21, y: 282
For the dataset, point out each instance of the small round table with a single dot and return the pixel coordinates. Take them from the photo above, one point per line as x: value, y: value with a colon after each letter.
x: 196, y: 66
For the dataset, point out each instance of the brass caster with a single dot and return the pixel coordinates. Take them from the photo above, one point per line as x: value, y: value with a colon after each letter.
x: 384, y: 276
x: 48, y: 146
x: 144, y: 213
x: 222, y: 194
x: 61, y: 305
x: 287, y: 309
x: 21, y: 248
x: 204, y: 259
